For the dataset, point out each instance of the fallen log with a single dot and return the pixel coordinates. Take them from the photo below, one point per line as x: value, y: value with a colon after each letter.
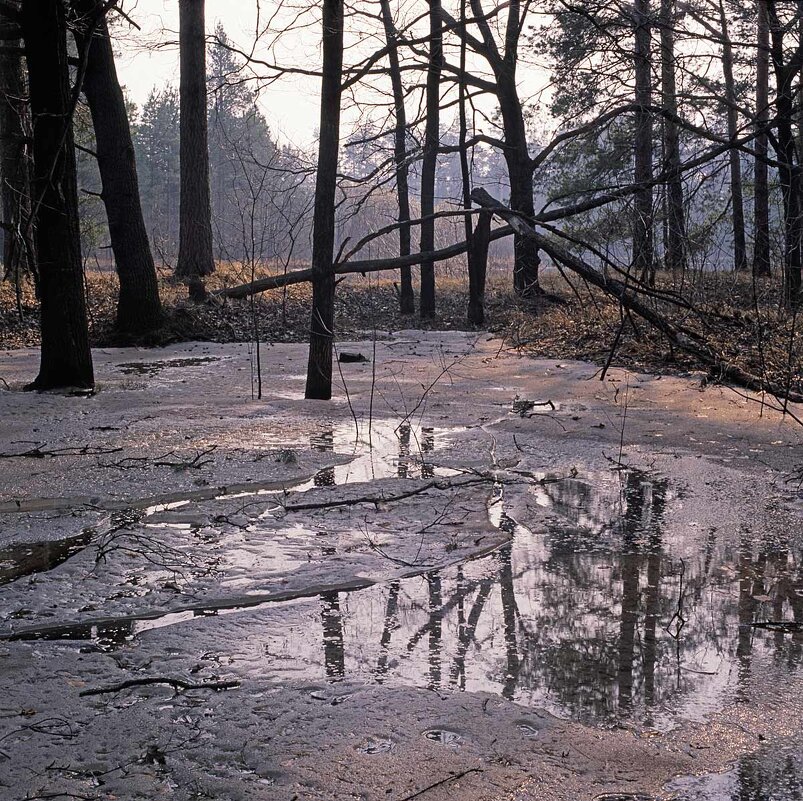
x: 681, y: 338
x: 351, y: 267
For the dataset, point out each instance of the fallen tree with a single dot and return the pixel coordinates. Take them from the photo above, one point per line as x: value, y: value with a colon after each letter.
x: 628, y: 293
x: 682, y: 338
x: 352, y: 267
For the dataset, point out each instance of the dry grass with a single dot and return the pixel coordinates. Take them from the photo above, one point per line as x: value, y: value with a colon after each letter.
x: 577, y: 323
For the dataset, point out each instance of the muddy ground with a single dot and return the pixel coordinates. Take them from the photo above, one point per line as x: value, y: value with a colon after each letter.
x: 471, y: 575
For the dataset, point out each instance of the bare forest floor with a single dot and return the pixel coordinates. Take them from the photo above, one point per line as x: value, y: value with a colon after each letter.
x: 745, y: 323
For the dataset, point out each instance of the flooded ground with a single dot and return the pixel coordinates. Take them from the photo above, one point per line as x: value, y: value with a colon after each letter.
x: 471, y: 575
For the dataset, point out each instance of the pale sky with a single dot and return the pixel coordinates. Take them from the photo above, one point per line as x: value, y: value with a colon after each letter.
x: 291, y: 104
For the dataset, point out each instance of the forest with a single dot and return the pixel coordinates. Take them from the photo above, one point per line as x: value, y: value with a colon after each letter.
x: 450, y: 447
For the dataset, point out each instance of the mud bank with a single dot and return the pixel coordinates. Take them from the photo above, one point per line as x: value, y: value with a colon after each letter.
x: 470, y: 575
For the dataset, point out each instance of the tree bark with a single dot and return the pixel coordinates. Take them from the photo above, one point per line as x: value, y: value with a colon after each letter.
x: 789, y: 171
x: 406, y: 295
x: 429, y: 162
x: 737, y: 195
x: 643, y: 257
x: 516, y: 150
x: 478, y: 268
x: 15, y: 162
x: 66, y: 360
x: 477, y: 254
x: 195, y: 258
x: 675, y: 244
x: 319, y: 366
x: 761, y: 207
x: 139, y: 309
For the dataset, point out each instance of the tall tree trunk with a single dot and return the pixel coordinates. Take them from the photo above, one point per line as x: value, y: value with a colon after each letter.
x: 65, y: 359
x: 516, y: 152
x: 675, y: 240
x: 406, y: 295
x: 430, y: 158
x: 761, y: 208
x: 139, y: 310
x: 477, y: 253
x: 789, y: 169
x: 737, y: 196
x: 643, y: 257
x: 15, y: 162
x: 195, y: 257
x: 319, y: 366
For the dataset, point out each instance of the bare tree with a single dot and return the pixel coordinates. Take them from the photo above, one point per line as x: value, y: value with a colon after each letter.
x: 195, y: 258
x: 65, y: 358
x: 761, y: 207
x: 643, y: 256
x: 319, y: 366
x: 406, y: 296
x: 15, y: 161
x: 430, y: 158
x: 139, y: 309
x: 786, y: 69
x: 675, y: 245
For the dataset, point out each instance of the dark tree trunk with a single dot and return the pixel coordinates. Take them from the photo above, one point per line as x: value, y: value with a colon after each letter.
x: 675, y: 244
x: 319, y: 366
x: 406, y: 295
x: 195, y: 257
x: 138, y: 309
x: 643, y: 258
x: 66, y: 359
x: 15, y: 162
x: 761, y: 209
x: 429, y: 162
x: 789, y: 169
x: 478, y: 268
x: 477, y: 241
x: 516, y: 151
x: 737, y: 195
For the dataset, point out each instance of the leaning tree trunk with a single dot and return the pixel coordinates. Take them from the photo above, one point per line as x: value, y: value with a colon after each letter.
x: 406, y: 295
x: 319, y: 366
x: 139, y: 310
x: 430, y: 158
x: 195, y: 257
x: 737, y: 195
x: 66, y: 359
x: 675, y: 245
x: 761, y: 201
x: 643, y: 259
x: 14, y: 154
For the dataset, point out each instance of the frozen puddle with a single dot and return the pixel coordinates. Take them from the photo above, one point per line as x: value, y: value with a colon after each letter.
x: 612, y: 606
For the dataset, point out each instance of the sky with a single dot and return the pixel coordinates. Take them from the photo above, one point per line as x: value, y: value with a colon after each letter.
x: 290, y: 106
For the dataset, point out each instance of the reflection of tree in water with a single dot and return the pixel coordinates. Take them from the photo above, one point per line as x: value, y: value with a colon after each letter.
x: 593, y: 627
x: 769, y: 777
x: 333, y: 652
x: 324, y: 442
x: 770, y: 589
x: 596, y: 645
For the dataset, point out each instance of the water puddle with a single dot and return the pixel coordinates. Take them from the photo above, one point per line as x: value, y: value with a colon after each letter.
x: 17, y: 561
x: 769, y: 775
x: 601, y: 612
x: 152, y: 368
x: 451, y: 739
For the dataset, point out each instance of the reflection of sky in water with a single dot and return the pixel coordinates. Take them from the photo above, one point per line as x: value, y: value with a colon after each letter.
x: 601, y: 611
x: 584, y: 620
